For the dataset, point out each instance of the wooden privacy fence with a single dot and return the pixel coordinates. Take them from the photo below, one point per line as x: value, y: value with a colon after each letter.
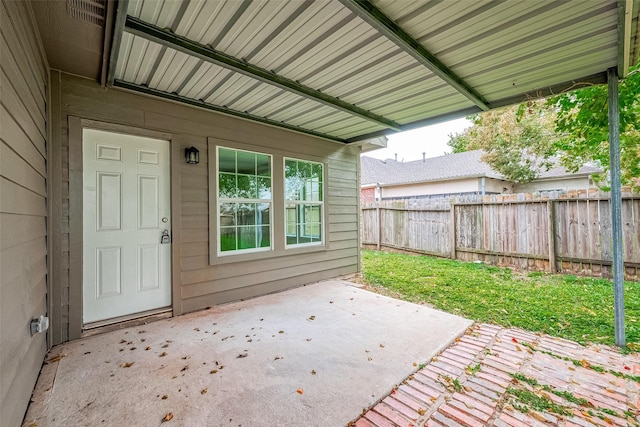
x: 549, y: 231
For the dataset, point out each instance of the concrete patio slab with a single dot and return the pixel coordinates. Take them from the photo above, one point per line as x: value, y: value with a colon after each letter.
x: 313, y: 356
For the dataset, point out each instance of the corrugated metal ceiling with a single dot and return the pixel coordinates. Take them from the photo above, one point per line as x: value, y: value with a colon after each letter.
x: 326, y: 67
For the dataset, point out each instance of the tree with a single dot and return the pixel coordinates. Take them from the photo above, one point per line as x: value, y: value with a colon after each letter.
x: 571, y: 128
x: 582, y: 124
x: 518, y: 140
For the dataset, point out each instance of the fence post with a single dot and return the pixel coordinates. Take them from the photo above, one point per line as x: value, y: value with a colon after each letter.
x: 551, y: 228
x: 379, y: 219
x: 452, y: 230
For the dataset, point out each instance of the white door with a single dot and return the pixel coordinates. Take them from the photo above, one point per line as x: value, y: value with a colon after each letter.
x: 126, y: 206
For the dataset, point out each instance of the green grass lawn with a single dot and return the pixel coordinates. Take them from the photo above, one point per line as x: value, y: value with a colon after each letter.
x: 576, y: 308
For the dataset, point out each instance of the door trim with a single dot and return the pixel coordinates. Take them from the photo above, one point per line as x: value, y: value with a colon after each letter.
x: 76, y: 125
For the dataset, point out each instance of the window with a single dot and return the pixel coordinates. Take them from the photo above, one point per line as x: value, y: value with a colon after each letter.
x: 303, y: 202
x: 244, y: 201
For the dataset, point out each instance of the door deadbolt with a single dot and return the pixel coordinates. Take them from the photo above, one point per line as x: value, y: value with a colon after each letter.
x: 165, y: 237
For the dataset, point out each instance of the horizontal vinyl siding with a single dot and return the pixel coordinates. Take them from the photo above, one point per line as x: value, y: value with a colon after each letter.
x: 202, y: 284
x: 23, y: 207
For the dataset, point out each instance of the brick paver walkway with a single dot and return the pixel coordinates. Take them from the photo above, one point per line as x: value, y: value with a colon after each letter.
x: 493, y: 376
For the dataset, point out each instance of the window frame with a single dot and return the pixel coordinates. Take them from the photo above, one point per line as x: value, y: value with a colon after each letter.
x: 320, y: 203
x: 240, y: 200
x: 277, y: 194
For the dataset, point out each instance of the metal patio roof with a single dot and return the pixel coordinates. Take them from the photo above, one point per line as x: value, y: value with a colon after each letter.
x: 349, y: 70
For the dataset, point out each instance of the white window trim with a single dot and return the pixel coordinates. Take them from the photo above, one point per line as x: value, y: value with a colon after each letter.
x: 321, y: 242
x: 221, y: 200
x: 278, y: 214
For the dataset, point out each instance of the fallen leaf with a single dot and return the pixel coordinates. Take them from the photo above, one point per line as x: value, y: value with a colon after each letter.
x: 203, y: 391
x: 196, y: 329
x: 584, y: 363
x: 468, y: 389
x: 215, y: 371
x: 627, y: 368
x: 369, y: 359
x: 381, y: 346
x: 308, y: 339
x: 518, y: 348
x: 514, y: 340
x: 168, y: 417
x: 123, y: 341
x: 313, y: 372
x: 312, y: 317
x: 415, y: 364
x: 56, y: 358
x: 184, y: 369
x: 281, y: 332
x: 422, y: 411
x: 165, y: 346
x: 278, y: 358
x: 163, y: 354
x: 469, y: 405
x: 607, y: 420
x: 148, y: 348
x: 186, y: 357
x: 241, y: 355
x: 433, y: 399
x: 132, y: 348
x: 127, y: 365
x: 300, y: 391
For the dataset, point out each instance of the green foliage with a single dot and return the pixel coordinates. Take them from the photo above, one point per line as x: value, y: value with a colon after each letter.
x: 517, y: 140
x: 579, y: 309
x: 583, y: 127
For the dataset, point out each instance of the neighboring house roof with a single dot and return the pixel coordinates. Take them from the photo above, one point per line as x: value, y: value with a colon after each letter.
x: 448, y: 167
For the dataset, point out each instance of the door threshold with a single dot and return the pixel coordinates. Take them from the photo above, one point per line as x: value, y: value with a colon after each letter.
x: 122, y: 322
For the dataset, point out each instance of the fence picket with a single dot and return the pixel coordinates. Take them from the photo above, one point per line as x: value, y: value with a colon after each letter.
x: 515, y: 230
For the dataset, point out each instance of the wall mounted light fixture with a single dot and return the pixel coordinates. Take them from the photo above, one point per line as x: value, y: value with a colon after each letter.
x: 192, y: 155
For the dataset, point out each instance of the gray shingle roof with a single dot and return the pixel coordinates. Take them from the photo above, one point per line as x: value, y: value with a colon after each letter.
x: 447, y: 167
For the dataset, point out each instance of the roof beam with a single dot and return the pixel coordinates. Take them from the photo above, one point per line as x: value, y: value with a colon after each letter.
x: 625, y: 8
x: 166, y: 38
x: 387, y: 27
x: 183, y: 99
x: 116, y: 38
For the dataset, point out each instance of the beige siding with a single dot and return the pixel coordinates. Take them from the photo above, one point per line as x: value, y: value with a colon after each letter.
x: 23, y: 207
x: 426, y: 188
x: 197, y: 284
x: 565, y: 184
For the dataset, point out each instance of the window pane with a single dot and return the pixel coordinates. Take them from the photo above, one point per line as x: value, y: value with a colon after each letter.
x: 264, y: 236
x: 246, y: 162
x: 227, y: 185
x: 246, y: 214
x: 317, y: 171
x: 227, y: 239
x: 263, y: 165
x: 264, y: 214
x: 226, y: 160
x: 247, y: 187
x: 264, y: 188
x: 304, y: 170
x: 247, y: 237
x: 227, y: 214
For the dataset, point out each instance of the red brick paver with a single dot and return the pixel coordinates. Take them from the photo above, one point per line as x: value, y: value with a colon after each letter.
x: 494, y: 376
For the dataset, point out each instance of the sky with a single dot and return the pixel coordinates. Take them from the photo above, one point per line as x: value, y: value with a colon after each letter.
x: 411, y: 144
